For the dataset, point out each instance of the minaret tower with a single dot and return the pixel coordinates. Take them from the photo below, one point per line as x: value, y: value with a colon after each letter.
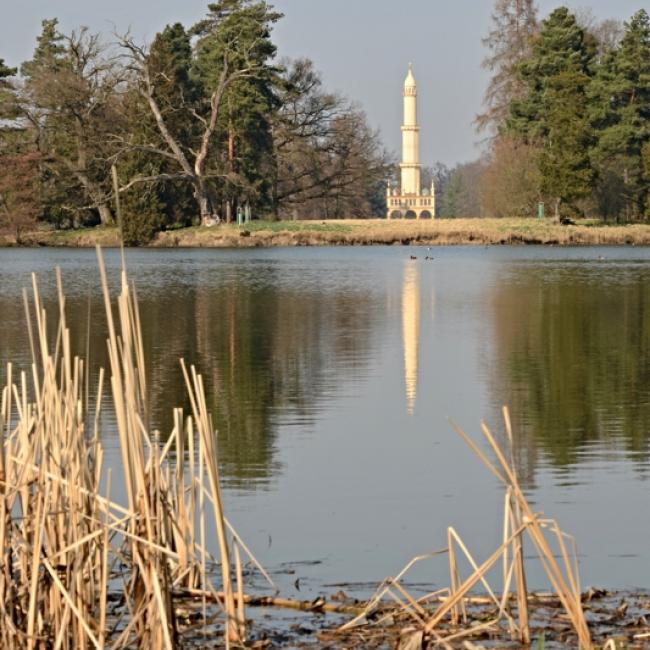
x: 411, y: 201
x: 410, y: 138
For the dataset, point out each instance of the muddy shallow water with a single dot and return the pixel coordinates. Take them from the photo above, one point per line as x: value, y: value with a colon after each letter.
x: 332, y: 373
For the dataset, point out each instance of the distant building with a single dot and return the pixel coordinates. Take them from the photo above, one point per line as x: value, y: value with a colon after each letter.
x: 411, y: 201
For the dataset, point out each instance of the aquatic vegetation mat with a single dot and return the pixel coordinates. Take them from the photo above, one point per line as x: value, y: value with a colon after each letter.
x: 78, y: 569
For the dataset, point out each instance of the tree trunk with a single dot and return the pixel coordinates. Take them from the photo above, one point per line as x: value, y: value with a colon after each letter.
x: 105, y: 214
x: 206, y: 207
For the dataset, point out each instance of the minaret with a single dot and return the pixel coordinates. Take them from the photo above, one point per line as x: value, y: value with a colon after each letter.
x: 410, y: 138
x: 411, y: 201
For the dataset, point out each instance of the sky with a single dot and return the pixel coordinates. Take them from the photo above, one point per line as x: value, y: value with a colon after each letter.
x: 361, y: 47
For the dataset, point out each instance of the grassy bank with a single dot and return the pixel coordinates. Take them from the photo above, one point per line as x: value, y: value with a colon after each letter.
x: 363, y: 232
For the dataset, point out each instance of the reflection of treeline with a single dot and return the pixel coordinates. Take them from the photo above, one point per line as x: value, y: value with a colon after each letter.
x: 573, y: 360
x: 203, y: 124
x: 268, y: 354
x: 568, y: 108
x: 274, y: 354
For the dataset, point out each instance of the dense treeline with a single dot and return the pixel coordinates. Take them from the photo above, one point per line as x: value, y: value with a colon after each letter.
x: 568, y: 114
x: 206, y: 124
x: 200, y: 126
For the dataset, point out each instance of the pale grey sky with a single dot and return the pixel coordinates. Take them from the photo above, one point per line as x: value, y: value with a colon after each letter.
x: 362, y: 47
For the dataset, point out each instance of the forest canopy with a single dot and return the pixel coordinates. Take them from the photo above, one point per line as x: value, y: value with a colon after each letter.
x: 203, y: 123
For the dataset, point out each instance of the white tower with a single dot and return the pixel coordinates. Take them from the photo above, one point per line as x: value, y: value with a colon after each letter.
x: 411, y: 201
x: 410, y: 138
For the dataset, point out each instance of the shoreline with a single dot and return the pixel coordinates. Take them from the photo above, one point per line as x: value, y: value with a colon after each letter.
x: 377, y: 232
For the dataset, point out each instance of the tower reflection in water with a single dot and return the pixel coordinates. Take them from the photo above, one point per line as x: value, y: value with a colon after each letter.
x: 411, y: 332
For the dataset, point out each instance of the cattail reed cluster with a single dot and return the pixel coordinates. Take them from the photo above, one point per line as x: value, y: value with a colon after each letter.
x: 77, y: 568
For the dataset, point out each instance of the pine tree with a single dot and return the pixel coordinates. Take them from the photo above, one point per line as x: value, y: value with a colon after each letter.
x: 237, y: 34
x: 514, y: 27
x: 620, y: 101
x: 50, y: 52
x: 553, y: 114
x: 7, y: 91
x: 5, y: 73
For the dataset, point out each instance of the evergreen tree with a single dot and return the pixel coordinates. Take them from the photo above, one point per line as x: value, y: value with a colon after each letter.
x: 5, y: 73
x: 237, y: 34
x: 514, y: 27
x: 606, y: 34
x: 620, y: 101
x: 553, y: 114
x: 150, y: 205
x: 49, y: 54
x: 564, y: 160
x: 7, y: 91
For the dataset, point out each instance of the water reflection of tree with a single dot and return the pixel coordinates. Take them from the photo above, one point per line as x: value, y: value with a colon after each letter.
x: 573, y: 359
x: 267, y: 353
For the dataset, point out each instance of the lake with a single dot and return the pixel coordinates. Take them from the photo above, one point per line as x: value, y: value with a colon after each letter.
x: 332, y: 374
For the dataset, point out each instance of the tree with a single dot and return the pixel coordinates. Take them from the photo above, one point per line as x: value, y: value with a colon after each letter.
x: 49, y: 53
x: 511, y: 182
x: 234, y: 45
x: 10, y: 130
x: 620, y: 99
x: 5, y: 72
x: 19, y: 205
x: 329, y: 162
x: 514, y: 27
x: 148, y: 206
x: 70, y: 99
x: 243, y: 137
x: 6, y: 89
x: 461, y: 197
x: 553, y: 114
x: 606, y: 34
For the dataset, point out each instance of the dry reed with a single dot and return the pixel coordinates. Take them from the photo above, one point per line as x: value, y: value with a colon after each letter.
x: 64, y: 543
x: 449, y: 606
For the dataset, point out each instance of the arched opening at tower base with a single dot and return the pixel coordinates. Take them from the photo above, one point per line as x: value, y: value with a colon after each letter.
x: 410, y: 215
x: 395, y: 214
x: 425, y: 214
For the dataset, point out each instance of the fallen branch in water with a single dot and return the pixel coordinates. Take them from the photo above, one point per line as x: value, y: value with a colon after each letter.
x: 317, y: 606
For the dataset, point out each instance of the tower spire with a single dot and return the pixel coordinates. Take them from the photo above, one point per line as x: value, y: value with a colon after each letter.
x: 409, y: 82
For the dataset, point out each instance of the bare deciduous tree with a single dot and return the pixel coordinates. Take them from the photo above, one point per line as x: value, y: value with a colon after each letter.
x: 509, y: 42
x: 328, y: 159
x: 19, y: 206
x: 510, y: 184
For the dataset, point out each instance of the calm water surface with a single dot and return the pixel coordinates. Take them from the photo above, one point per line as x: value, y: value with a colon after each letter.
x: 332, y: 374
